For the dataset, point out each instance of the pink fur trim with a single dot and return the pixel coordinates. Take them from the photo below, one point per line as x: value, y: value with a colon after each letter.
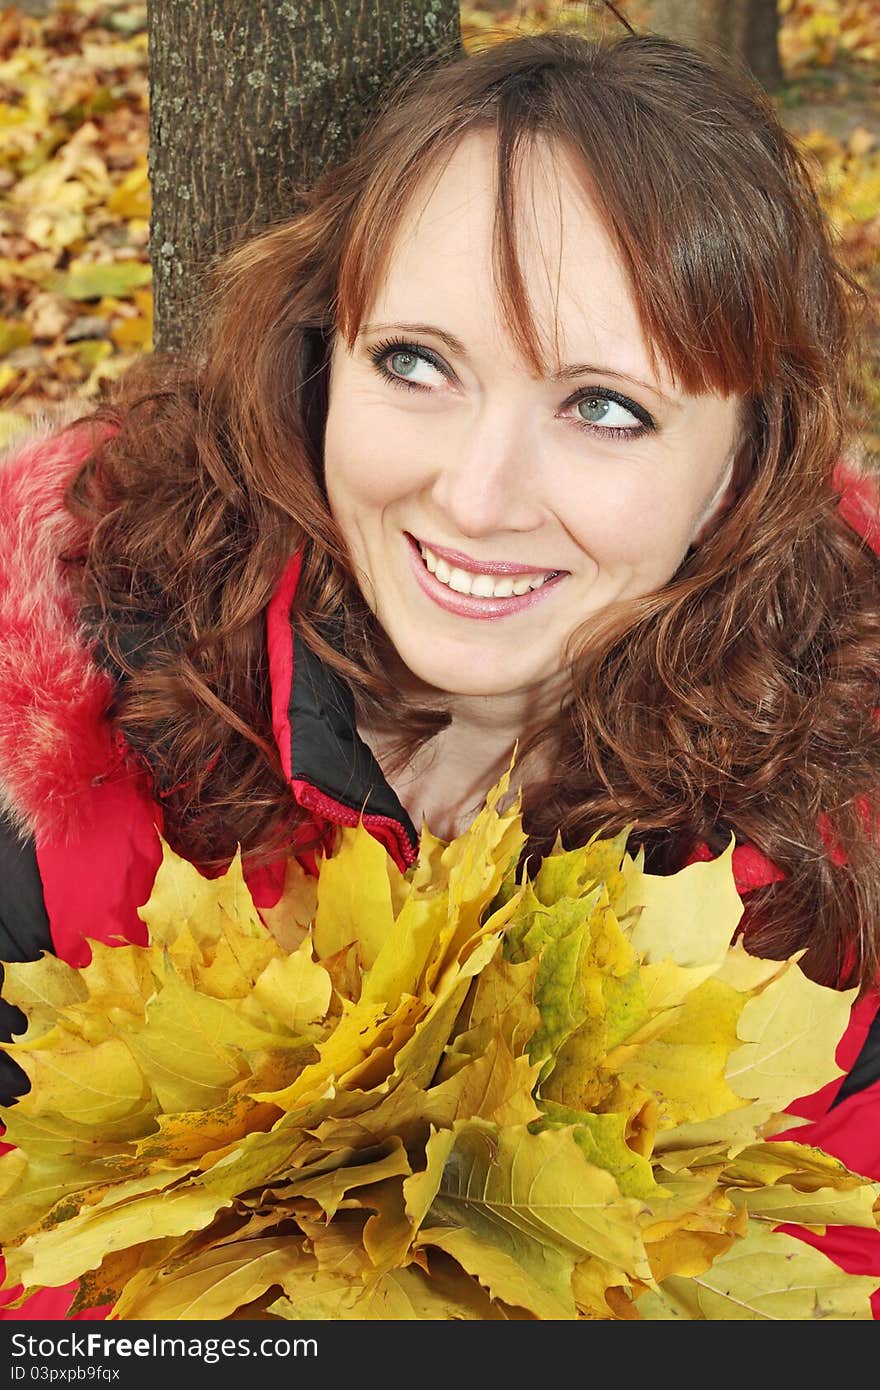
x: 54, y: 740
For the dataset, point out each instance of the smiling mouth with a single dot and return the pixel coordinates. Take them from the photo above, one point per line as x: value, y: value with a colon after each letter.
x: 479, y: 583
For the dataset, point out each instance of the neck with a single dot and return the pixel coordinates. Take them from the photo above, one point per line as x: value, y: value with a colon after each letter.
x: 445, y: 780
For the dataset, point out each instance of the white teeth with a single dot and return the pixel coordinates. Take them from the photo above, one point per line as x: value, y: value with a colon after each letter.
x: 481, y: 585
x: 460, y: 581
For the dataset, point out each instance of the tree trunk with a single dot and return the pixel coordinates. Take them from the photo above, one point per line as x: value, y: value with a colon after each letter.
x: 746, y: 31
x: 249, y: 102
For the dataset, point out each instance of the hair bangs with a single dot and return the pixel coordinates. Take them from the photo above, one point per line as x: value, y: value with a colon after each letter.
x: 696, y: 263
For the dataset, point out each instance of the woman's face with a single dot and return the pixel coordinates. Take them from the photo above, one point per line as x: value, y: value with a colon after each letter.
x: 489, y: 510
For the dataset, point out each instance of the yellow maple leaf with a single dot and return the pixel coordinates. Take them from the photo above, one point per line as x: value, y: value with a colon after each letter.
x: 451, y: 1093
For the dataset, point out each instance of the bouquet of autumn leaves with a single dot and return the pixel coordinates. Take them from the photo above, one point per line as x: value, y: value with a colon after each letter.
x: 463, y: 1092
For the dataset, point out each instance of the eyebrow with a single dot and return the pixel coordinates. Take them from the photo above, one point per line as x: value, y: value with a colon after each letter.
x: 565, y: 373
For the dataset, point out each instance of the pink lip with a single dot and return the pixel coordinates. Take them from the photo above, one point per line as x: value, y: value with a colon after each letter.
x: 466, y: 562
x: 466, y: 605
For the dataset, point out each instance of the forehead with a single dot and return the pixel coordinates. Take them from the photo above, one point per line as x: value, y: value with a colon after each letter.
x: 441, y: 266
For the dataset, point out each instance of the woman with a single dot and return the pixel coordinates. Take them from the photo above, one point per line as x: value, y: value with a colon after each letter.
x: 526, y: 432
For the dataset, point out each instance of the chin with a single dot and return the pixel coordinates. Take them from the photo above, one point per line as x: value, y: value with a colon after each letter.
x: 470, y: 675
x: 475, y: 685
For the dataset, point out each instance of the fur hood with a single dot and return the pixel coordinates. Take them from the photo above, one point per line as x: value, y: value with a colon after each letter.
x: 57, y: 747
x: 54, y: 741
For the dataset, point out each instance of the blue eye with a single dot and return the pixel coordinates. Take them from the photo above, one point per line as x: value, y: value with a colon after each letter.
x: 403, y: 362
x: 600, y: 411
x: 400, y: 362
x: 606, y: 412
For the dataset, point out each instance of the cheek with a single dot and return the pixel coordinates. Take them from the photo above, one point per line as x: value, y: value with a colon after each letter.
x: 625, y: 520
x: 368, y: 461
x: 613, y: 509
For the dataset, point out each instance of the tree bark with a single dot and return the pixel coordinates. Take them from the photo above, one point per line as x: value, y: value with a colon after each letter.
x: 746, y: 31
x: 250, y: 100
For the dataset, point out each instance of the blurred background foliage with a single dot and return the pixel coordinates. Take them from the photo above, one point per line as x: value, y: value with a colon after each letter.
x: 75, y: 298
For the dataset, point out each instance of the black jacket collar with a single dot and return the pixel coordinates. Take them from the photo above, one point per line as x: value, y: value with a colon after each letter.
x: 327, y: 752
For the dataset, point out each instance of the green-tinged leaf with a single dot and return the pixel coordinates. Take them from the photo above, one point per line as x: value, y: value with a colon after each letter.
x: 603, y: 1140
x: 571, y: 873
x: 33, y: 1189
x: 54, y: 1134
x: 787, y: 1181
x: 537, y: 1198
x: 560, y: 987
x: 102, y: 280
x: 785, y: 1160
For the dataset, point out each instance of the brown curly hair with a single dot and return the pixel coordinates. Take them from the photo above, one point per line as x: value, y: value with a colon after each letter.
x: 740, y: 698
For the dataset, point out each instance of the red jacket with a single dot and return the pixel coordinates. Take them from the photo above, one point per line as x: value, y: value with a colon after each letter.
x: 75, y: 796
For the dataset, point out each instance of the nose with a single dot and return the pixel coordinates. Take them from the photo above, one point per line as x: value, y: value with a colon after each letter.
x: 490, y: 480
